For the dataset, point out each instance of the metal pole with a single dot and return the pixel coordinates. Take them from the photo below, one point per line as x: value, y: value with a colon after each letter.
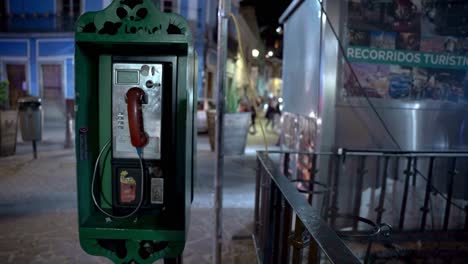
x: 258, y: 182
x: 396, y: 169
x: 415, y: 168
x: 286, y: 165
x: 67, y: 131
x: 314, y: 257
x: 452, y: 173
x: 341, y: 168
x: 286, y: 231
x: 265, y: 205
x: 358, y: 189
x: 383, y: 190
x: 405, y: 194
x: 297, y: 242
x: 34, y: 149
x: 425, y: 208
x: 312, y: 171
x: 223, y: 15
x: 274, y: 227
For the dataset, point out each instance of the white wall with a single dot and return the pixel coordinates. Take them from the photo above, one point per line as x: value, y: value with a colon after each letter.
x: 105, y: 3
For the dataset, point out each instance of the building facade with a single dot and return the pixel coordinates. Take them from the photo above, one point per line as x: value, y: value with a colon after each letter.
x: 246, y: 75
x: 37, y: 48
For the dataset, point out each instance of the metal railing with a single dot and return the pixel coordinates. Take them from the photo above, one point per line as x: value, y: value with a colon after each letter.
x: 276, y: 201
x: 321, y: 222
x: 416, y: 165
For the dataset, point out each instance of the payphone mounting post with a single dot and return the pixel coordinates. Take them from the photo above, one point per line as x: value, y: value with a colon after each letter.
x: 135, y: 100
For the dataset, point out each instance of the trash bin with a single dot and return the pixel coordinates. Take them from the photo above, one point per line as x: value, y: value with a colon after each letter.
x: 30, y: 115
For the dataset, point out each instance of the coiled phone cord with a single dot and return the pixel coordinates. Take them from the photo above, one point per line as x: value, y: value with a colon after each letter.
x: 96, y: 165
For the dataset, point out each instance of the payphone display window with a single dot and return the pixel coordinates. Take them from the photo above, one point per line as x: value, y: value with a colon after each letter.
x: 149, y: 78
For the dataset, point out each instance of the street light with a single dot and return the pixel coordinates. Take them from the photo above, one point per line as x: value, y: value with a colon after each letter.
x: 255, y: 53
x: 270, y: 53
x: 279, y: 30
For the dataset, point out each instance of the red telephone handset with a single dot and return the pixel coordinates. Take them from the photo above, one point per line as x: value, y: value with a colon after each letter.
x: 135, y: 99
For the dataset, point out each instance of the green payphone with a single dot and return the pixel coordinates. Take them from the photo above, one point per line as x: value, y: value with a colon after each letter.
x: 135, y: 124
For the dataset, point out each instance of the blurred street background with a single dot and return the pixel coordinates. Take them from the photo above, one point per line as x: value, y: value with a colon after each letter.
x: 38, y: 198
x: 38, y: 204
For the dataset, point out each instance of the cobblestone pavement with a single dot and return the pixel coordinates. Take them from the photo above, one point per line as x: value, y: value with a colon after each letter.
x: 38, y: 207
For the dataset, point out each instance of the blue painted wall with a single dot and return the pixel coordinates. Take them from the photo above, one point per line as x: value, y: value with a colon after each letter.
x: 39, y: 24
x: 184, y: 6
x: 41, y: 49
x: 62, y: 51
x: 70, y: 74
x: 14, y: 48
x: 198, y: 35
x: 32, y: 6
x: 46, y: 6
x: 56, y: 48
x: 93, y: 5
x: 34, y: 86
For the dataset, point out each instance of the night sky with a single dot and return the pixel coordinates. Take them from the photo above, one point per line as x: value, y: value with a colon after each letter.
x: 268, y: 13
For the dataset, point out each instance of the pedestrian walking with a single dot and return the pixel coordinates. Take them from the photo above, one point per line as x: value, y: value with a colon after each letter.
x: 253, y: 115
x: 270, y: 114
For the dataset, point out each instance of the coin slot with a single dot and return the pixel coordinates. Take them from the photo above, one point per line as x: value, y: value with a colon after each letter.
x: 149, y: 84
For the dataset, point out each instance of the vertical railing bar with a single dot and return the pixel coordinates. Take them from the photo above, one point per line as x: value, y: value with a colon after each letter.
x: 415, y: 168
x: 277, y: 225
x: 466, y: 217
x: 257, y: 197
x: 270, y: 236
x: 405, y: 194
x: 313, y: 252
x: 425, y: 208
x: 265, y: 204
x: 298, y: 242
x: 380, y: 209
x: 260, y: 214
x: 358, y: 189
x: 286, y: 164
x: 312, y: 171
x: 396, y: 168
x: 452, y: 173
x: 341, y: 168
x: 287, y: 218
x: 368, y: 251
x: 375, y: 183
x: 261, y: 209
x: 332, y: 168
x: 394, y: 193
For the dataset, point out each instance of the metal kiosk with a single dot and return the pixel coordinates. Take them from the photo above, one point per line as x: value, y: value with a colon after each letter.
x: 135, y: 145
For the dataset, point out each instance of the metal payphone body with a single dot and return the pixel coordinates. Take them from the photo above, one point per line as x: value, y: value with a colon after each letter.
x: 135, y: 101
x: 153, y: 76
